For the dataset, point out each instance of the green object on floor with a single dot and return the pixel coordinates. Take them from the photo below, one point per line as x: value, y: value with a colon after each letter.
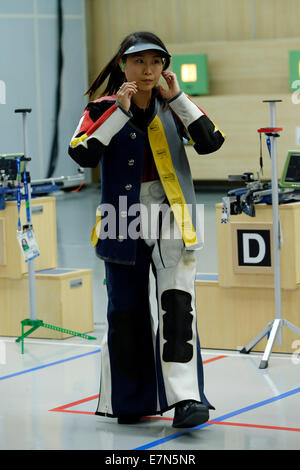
x: 38, y: 323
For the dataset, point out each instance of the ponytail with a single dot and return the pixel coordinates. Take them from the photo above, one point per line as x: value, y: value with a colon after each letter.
x: 116, y: 78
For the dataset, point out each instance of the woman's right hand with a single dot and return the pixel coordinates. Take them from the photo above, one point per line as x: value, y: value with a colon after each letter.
x: 125, y: 93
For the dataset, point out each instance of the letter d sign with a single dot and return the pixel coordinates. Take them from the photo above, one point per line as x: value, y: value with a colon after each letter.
x: 251, y: 237
x: 254, y: 248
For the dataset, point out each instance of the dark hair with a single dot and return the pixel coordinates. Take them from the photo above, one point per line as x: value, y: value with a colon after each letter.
x: 112, y: 69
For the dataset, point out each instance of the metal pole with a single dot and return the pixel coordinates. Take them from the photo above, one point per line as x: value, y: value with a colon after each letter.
x: 31, y: 271
x: 276, y: 230
x: 32, y: 289
x: 276, y: 331
x: 24, y: 117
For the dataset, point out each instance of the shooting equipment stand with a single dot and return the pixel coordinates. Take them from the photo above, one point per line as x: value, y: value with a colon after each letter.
x: 274, y: 328
x: 33, y: 321
x: 37, y: 323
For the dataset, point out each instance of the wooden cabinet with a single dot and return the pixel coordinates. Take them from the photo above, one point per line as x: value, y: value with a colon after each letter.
x: 63, y: 299
x: 289, y: 215
x: 230, y: 317
x: 232, y: 306
x: 12, y: 264
x: 63, y: 296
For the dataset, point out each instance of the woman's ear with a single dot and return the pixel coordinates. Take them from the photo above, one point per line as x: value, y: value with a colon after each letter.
x: 121, y: 64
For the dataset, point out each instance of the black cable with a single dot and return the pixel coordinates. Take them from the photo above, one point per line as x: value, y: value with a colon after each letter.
x: 54, y: 146
x: 261, y: 164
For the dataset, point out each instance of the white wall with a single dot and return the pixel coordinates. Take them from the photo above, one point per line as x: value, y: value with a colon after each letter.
x: 28, y: 68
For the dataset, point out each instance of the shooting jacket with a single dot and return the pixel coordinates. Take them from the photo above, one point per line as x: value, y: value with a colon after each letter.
x: 109, y: 134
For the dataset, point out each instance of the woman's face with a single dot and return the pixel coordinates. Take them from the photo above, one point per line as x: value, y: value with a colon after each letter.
x: 144, y: 68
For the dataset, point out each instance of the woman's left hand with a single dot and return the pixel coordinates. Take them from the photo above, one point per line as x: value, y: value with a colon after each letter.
x: 173, y: 86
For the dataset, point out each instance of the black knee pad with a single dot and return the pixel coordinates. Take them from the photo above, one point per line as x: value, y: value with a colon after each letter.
x: 177, y: 325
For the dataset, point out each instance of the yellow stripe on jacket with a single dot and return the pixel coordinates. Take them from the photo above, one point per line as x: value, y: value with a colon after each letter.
x: 163, y: 160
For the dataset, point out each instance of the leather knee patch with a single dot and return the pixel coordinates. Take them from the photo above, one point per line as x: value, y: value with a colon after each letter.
x: 177, y: 325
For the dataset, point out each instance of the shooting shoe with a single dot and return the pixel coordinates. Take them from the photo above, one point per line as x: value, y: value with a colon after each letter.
x: 129, y: 419
x: 190, y: 413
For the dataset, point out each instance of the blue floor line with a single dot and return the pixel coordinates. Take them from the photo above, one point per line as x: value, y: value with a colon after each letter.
x: 4, y: 377
x: 220, y: 418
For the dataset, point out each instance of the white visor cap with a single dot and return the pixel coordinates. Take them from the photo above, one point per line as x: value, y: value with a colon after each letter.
x: 145, y: 46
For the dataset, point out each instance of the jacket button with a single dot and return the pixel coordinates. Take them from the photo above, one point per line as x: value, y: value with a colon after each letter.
x: 131, y: 162
x: 123, y: 214
x: 120, y: 238
x: 128, y: 187
x: 133, y: 135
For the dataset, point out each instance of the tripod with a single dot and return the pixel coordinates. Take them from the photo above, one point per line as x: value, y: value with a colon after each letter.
x: 273, y: 328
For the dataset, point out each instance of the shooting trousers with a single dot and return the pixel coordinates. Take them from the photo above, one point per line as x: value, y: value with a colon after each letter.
x: 150, y: 361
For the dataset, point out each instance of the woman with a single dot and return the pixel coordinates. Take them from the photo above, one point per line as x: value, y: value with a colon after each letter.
x: 136, y: 130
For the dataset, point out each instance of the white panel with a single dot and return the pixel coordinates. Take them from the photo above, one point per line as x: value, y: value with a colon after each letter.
x: 29, y: 71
